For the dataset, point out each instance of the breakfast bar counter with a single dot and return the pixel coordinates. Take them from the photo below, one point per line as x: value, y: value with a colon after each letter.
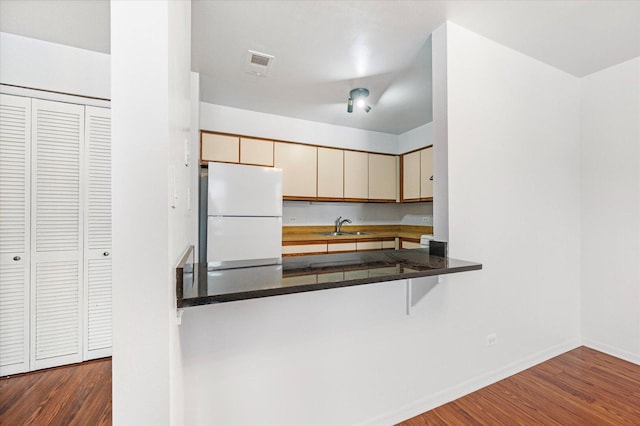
x: 199, y: 284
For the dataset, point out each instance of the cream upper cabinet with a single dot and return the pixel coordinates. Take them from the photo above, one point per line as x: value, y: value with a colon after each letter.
x: 426, y: 173
x: 256, y: 151
x: 382, y: 178
x: 222, y: 148
x: 299, y: 169
x: 411, y: 176
x: 356, y: 175
x: 330, y: 173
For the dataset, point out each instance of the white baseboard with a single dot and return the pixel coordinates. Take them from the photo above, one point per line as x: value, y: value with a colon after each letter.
x: 447, y: 395
x: 613, y: 351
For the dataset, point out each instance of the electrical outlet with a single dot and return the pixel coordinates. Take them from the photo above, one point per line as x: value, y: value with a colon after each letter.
x: 492, y: 339
x: 358, y: 218
x: 292, y: 218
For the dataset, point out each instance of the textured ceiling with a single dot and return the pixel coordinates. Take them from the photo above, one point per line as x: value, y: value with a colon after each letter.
x: 323, y: 49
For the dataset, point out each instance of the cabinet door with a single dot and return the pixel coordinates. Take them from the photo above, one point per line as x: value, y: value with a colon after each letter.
x: 299, y: 169
x: 426, y: 173
x: 411, y: 176
x: 303, y: 248
x: 409, y: 244
x: 56, y: 233
x: 15, y: 140
x: 369, y: 245
x: 356, y: 175
x: 256, y: 152
x: 389, y: 243
x: 97, y: 234
x: 221, y: 148
x: 382, y: 179
x: 341, y: 247
x: 330, y: 173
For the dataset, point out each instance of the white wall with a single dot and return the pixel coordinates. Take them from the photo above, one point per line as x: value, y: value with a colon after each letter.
x: 305, y: 213
x: 151, y: 119
x: 415, y: 139
x: 352, y: 356
x: 439, y: 127
x: 38, y: 64
x: 183, y: 214
x: 610, y: 190
x: 514, y: 204
x: 195, y: 157
x: 219, y: 118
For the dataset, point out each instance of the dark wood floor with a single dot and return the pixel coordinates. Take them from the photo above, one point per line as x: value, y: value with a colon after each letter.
x: 580, y: 387
x: 77, y: 394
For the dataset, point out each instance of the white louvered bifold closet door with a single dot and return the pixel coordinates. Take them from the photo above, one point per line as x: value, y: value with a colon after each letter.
x: 15, y: 139
x: 97, y: 235
x: 57, y: 131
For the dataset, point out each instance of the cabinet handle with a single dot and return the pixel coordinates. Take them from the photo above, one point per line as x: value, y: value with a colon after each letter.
x: 431, y: 178
x: 16, y: 258
x: 106, y: 253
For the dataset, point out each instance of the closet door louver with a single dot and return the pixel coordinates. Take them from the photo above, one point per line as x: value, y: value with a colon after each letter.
x: 97, y: 235
x: 56, y: 233
x: 15, y: 137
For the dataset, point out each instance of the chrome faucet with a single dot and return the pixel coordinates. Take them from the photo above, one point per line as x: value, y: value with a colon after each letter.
x: 340, y: 222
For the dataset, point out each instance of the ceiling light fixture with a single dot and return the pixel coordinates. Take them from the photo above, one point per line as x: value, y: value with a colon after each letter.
x: 358, y: 96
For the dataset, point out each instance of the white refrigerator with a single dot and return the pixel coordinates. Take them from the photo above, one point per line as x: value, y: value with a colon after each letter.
x: 244, y: 209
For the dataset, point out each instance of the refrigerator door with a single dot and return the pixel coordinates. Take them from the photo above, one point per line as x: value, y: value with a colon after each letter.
x: 250, y: 240
x: 240, y: 190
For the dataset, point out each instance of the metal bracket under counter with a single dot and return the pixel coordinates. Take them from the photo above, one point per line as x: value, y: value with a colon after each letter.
x: 417, y: 289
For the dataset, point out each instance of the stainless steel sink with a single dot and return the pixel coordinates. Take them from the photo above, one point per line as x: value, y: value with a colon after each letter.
x: 337, y: 234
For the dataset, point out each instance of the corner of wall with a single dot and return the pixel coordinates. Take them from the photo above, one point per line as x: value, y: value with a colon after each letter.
x: 440, y: 127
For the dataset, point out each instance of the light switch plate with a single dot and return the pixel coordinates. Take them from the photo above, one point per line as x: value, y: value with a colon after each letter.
x: 172, y: 187
x: 187, y: 153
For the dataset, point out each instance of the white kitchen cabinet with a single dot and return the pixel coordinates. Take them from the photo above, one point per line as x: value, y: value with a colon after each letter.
x: 389, y: 243
x: 417, y: 175
x: 409, y: 243
x: 15, y: 140
x: 299, y: 169
x: 356, y: 175
x: 330, y: 173
x: 382, y: 177
x: 426, y: 173
x: 411, y: 176
x: 369, y: 245
x: 257, y: 152
x: 57, y: 132
x: 223, y: 148
x: 97, y: 235
x: 293, y: 249
x: 341, y: 247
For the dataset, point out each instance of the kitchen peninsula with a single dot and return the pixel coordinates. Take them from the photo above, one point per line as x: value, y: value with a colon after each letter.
x: 198, y: 284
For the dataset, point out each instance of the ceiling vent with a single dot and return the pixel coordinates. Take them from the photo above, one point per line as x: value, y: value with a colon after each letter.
x: 258, y: 63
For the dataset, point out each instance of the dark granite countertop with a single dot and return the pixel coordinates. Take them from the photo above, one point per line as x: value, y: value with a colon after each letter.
x: 198, y: 284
